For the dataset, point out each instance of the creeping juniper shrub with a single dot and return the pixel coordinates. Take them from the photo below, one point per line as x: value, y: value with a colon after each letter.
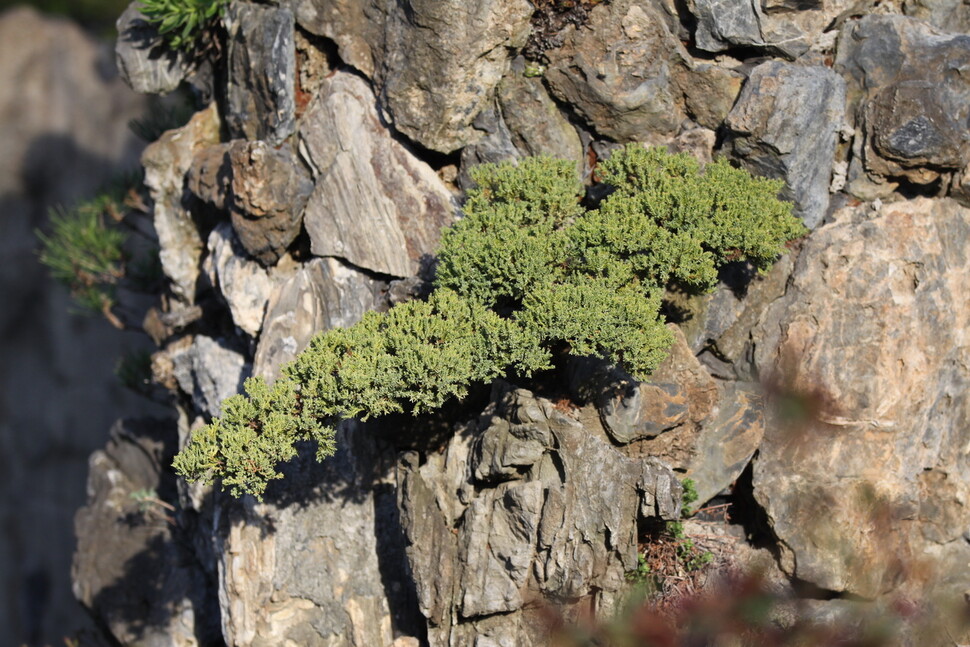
x: 528, y: 270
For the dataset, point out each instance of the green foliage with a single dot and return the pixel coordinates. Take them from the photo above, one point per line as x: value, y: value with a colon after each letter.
x: 690, y: 493
x: 134, y: 370
x: 182, y: 22
x: 526, y: 272
x: 84, y: 251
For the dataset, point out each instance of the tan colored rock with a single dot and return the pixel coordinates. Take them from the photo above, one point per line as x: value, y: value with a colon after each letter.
x: 375, y: 204
x: 619, y: 72
x: 434, y: 62
x: 867, y: 355
x: 166, y: 162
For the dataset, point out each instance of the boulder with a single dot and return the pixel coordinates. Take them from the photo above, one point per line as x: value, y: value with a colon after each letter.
x: 785, y: 125
x: 260, y: 95
x: 910, y: 108
x: 166, y: 163
x: 146, y: 64
x: 374, y: 204
x: 269, y: 189
x: 861, y: 471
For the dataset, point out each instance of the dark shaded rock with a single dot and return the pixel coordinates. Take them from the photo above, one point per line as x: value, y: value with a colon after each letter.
x: 209, y: 177
x: 863, y: 479
x: 909, y: 99
x: 262, y: 72
x: 619, y: 72
x: 269, y: 191
x: 317, y: 296
x: 127, y: 537
x: 146, y: 64
x: 785, y: 125
x: 563, y: 528
x: 166, y: 162
x: 375, y: 204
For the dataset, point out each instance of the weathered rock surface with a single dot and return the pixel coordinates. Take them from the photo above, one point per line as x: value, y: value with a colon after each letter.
x: 145, y: 63
x: 785, y: 125
x: 869, y: 342
x: 209, y: 370
x: 127, y: 537
x: 495, y: 519
x: 166, y: 162
x: 245, y: 285
x: 619, y: 72
x: 949, y: 15
x: 909, y: 100
x: 375, y: 204
x: 311, y: 566
x: 785, y: 27
x: 434, y: 63
x: 320, y: 295
x: 261, y: 101
x: 707, y: 429
x: 269, y: 189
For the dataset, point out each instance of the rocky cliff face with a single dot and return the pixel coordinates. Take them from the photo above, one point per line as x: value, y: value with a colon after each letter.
x: 823, y: 401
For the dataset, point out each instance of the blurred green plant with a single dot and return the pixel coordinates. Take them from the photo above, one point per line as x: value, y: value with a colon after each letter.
x: 182, y: 23
x: 84, y: 251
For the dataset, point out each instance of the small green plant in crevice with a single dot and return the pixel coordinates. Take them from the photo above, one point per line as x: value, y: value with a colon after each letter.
x: 183, y: 23
x: 529, y: 273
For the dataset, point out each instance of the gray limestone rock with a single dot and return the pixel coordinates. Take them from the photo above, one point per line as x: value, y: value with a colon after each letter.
x: 785, y: 125
x: 949, y: 15
x: 127, y: 537
x: 785, y: 27
x: 375, y: 204
x: 209, y: 371
x: 620, y: 72
x: 145, y: 63
x: 867, y: 343
x: 245, y: 285
x: 320, y: 295
x: 269, y: 189
x: 260, y: 101
x: 166, y: 162
x: 563, y: 527
x: 910, y: 103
